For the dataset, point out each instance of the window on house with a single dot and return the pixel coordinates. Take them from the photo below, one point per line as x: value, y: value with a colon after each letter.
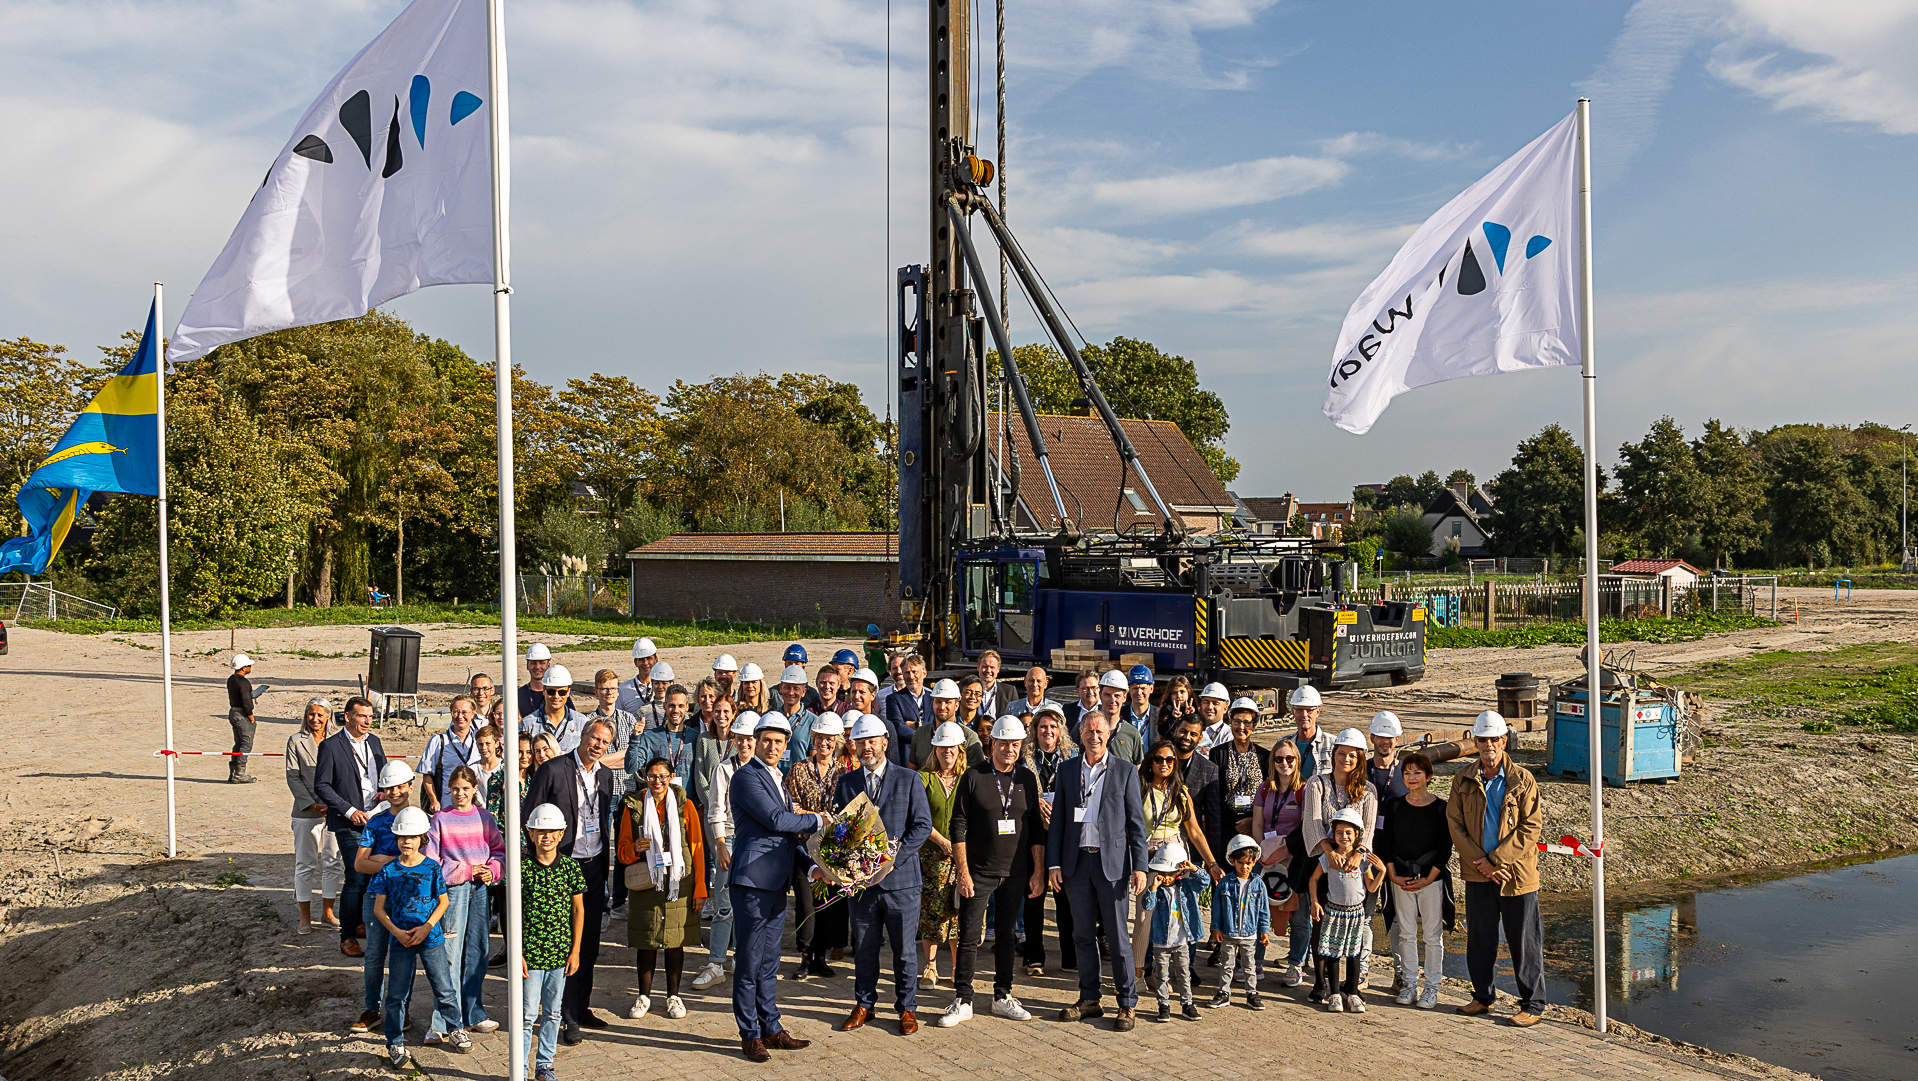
x: 1132, y: 496
x: 1456, y: 528
x: 1339, y: 517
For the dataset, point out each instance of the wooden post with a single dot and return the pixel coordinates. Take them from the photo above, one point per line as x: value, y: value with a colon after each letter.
x: 1491, y: 603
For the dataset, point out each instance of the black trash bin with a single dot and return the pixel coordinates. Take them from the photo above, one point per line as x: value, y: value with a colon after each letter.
x: 393, y: 663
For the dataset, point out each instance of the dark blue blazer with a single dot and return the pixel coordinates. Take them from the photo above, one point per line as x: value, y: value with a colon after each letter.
x: 765, y: 830
x: 1121, y: 820
x: 904, y: 810
x: 336, y: 778
x: 904, y: 714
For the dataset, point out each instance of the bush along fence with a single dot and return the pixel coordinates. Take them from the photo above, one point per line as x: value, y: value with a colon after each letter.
x: 1491, y: 605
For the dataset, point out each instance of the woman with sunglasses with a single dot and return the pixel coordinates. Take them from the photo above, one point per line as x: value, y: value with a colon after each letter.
x: 1276, y: 813
x: 1170, y: 815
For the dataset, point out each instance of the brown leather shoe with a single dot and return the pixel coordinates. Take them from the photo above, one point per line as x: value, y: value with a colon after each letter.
x: 755, y: 1050
x: 1524, y: 1019
x: 352, y: 948
x: 366, y: 1022
x: 783, y: 1041
x: 1082, y: 1010
x: 1475, y: 1008
x: 1122, y: 1021
x: 908, y: 1023
x: 856, y: 1019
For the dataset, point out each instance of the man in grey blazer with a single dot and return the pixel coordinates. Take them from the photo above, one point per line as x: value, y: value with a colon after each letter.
x: 1095, y: 852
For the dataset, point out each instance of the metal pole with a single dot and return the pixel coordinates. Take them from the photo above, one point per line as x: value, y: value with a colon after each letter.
x: 166, y: 584
x: 508, y: 549
x: 1595, y: 716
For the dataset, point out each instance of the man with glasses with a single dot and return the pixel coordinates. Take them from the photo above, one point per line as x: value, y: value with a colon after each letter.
x: 538, y: 660
x: 556, y: 717
x: 1495, y: 819
x: 480, y: 687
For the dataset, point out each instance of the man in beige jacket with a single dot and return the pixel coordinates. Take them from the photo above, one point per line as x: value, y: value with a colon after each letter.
x: 1495, y: 820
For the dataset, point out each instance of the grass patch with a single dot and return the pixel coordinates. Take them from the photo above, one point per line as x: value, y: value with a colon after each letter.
x: 612, y: 631
x: 228, y: 879
x: 1688, y: 629
x: 1873, y: 686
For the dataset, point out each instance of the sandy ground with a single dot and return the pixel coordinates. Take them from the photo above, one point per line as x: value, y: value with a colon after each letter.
x: 122, y: 964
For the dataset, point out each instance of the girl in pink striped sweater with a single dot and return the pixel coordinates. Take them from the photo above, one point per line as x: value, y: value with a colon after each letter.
x: 466, y: 840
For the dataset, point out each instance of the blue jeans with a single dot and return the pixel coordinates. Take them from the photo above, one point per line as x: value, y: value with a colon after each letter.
x: 1301, y: 933
x: 543, y: 988
x: 722, y: 932
x: 377, y: 944
x: 465, y: 926
x: 400, y: 962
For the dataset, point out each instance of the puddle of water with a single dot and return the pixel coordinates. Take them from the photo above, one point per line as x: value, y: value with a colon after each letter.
x: 1815, y: 972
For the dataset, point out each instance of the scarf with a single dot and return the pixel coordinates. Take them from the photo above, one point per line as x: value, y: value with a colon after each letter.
x: 665, y: 851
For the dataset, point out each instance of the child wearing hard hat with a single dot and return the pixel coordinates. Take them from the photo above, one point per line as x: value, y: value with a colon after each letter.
x: 552, y: 922
x: 409, y: 898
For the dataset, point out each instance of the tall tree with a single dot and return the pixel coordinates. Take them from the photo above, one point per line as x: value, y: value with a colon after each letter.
x: 1731, y: 512
x: 611, y: 432
x: 1539, y: 501
x: 1464, y: 476
x: 41, y: 388
x: 1661, y: 488
x: 1815, y: 510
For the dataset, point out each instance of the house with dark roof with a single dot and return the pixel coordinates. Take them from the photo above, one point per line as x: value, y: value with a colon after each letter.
x: 1458, y: 514
x: 1099, y: 494
x: 1269, y: 514
x: 843, y: 579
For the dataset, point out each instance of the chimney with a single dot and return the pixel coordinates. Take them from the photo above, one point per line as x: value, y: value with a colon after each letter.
x: 1081, y: 407
x: 1462, y: 490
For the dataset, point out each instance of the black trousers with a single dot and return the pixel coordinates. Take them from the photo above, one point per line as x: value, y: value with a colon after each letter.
x: 1005, y: 896
x: 579, y: 986
x: 1485, y: 911
x: 1035, y: 948
x: 805, y: 927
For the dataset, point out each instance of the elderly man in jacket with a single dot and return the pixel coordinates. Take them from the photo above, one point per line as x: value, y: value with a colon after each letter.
x: 1095, y: 856
x: 346, y: 779
x: 1495, y: 820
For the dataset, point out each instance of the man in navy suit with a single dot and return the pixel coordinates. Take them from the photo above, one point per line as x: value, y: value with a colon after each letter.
x: 765, y: 844
x: 907, y: 707
x: 1094, y: 851
x: 891, y: 908
x: 346, y: 778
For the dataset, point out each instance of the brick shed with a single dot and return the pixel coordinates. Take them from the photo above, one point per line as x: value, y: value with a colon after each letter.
x: 840, y: 579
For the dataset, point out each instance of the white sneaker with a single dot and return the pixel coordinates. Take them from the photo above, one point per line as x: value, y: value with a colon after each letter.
x: 396, y: 1056
x: 955, y: 1014
x: 1428, y: 998
x: 675, y: 1009
x: 1354, y: 1004
x: 1293, y: 976
x: 1335, y: 1004
x: 1407, y: 994
x: 1010, y: 1007
x: 433, y: 1038
x: 708, y: 976
x: 485, y: 1025
x: 459, y: 1041
x: 640, y: 1006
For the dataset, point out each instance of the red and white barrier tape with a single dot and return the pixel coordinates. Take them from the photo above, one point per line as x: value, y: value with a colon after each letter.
x: 1569, y: 845
x: 241, y: 754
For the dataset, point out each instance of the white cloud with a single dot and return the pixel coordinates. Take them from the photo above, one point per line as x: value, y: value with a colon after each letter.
x: 1359, y: 143
x: 1628, y: 89
x: 1239, y: 184
x: 1853, y: 59
x: 1336, y: 242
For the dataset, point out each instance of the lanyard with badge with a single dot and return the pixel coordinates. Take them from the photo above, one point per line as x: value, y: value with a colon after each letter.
x: 1007, y: 825
x: 588, y: 804
x: 1087, y: 784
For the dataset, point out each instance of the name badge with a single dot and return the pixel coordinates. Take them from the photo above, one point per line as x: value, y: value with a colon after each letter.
x: 1241, y: 801
x: 589, y: 826
x: 1006, y: 827
x: 1078, y: 814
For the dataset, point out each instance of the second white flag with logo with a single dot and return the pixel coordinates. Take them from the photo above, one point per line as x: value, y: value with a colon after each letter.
x: 1487, y: 285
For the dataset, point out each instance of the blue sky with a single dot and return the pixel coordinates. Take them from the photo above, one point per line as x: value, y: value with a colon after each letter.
x: 700, y: 188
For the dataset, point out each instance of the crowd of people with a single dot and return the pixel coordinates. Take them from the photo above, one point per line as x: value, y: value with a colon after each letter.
x: 1146, y: 812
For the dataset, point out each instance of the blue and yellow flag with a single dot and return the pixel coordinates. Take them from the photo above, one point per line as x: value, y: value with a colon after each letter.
x: 112, y: 446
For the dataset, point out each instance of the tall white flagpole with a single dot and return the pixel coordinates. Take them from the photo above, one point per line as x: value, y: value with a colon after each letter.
x: 166, y: 584
x: 1594, y: 707
x: 508, y: 555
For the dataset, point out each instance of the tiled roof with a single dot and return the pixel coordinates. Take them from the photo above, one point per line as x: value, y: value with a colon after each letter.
x: 810, y: 547
x: 1087, y: 466
x: 1270, y: 508
x: 1652, y: 566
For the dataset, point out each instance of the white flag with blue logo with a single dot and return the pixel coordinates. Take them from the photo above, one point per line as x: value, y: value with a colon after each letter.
x: 1487, y: 285
x: 384, y: 188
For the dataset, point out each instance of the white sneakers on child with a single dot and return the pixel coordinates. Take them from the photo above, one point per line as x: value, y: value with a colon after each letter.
x: 640, y: 1005
x: 1407, y: 994
x: 1428, y: 998
x: 1009, y: 1007
x: 1293, y: 976
x: 957, y: 1013
x: 1356, y: 1003
x: 1335, y: 1004
x: 675, y: 1009
x: 708, y: 976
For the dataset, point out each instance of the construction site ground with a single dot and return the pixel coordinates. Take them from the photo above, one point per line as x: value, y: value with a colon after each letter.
x: 121, y: 963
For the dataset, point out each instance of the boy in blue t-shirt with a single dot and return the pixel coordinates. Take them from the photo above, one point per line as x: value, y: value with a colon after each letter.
x: 377, y: 849
x: 409, y: 897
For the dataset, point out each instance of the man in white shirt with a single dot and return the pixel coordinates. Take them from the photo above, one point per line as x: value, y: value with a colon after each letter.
x: 638, y: 691
x: 557, y: 717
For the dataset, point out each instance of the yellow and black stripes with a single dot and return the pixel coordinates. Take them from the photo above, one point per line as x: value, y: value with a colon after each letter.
x: 1256, y: 653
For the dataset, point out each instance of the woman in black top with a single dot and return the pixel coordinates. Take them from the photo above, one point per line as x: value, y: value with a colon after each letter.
x: 1048, y: 746
x: 1416, y: 845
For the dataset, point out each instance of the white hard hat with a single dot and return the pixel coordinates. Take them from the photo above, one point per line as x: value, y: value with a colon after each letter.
x: 538, y: 652
x: 1009, y: 727
x: 867, y: 726
x: 1239, y: 843
x: 725, y: 663
x: 744, y: 724
x: 546, y: 817
x: 1488, y: 724
x: 775, y: 720
x: 410, y: 822
x: 241, y: 660
x: 793, y: 674
x: 1386, y: 723
x: 867, y: 676
x: 1306, y: 695
x: 829, y: 724
x: 1352, y: 737
x: 644, y: 648
x: 950, y: 734
x: 1351, y: 817
x: 395, y: 773
x: 1168, y: 858
x: 1114, y: 678
x: 1216, y: 690
x: 750, y: 673
x: 1244, y: 704
x: 662, y: 672
x: 557, y: 676
x: 1049, y: 706
x: 945, y: 688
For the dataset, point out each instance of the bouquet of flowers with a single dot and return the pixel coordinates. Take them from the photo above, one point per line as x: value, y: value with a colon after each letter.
x: 853, y: 851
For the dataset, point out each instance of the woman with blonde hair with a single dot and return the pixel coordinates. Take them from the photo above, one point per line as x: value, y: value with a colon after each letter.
x: 938, y: 909
x: 1277, y: 811
x: 1048, y: 746
x: 751, y: 694
x: 812, y: 782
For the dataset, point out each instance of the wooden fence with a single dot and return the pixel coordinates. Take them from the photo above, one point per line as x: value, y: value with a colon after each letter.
x: 1491, y: 605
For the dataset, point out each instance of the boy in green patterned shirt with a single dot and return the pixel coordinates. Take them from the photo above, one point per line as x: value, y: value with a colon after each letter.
x: 552, y: 916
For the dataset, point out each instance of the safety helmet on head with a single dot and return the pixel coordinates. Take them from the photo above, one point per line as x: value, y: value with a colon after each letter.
x: 1352, y: 737
x: 867, y: 726
x: 1216, y: 690
x: 1350, y: 816
x: 774, y: 720
x: 794, y: 675
x: 395, y: 773
x: 557, y: 676
x: 241, y: 660
x: 661, y: 673
x: 1386, y: 723
x: 644, y: 648
x: 1009, y: 727
x: 829, y: 724
x: 1488, y: 725
x: 1138, y: 675
x: 795, y: 654
x: 538, y: 652
x: 750, y: 673
x: 945, y: 688
x: 949, y: 734
x: 867, y: 676
x: 410, y: 822
x: 1049, y: 706
x: 1244, y: 705
x: 546, y: 817
x: 725, y: 663
x: 845, y: 656
x: 1113, y: 678
x: 1168, y: 858
x: 1307, y: 696
x: 1239, y: 843
x: 744, y: 724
